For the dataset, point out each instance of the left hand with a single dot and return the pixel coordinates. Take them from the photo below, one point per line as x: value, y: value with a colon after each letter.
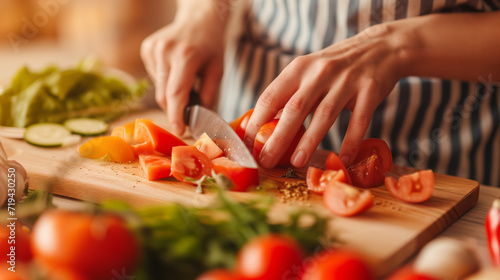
x: 357, y: 74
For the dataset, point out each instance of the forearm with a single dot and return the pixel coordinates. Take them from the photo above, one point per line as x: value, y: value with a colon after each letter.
x: 463, y: 46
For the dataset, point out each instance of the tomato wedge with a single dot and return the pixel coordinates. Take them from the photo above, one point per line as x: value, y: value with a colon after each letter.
x: 125, y: 132
x: 243, y: 178
x: 110, y: 148
x: 413, y: 188
x: 189, y: 164
x: 145, y: 148
x: 263, y: 135
x: 372, y: 164
x: 155, y: 167
x: 239, y: 125
x: 162, y: 140
x: 208, y: 147
x: 345, y: 200
x: 333, y: 162
x: 317, y: 179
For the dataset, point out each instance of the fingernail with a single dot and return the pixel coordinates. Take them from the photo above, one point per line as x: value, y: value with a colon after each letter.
x: 345, y: 160
x: 266, y: 160
x: 299, y: 159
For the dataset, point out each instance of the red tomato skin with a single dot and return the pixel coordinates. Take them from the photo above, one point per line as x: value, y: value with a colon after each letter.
x: 265, y: 133
x: 239, y: 125
x: 243, y: 178
x: 91, y: 245
x: 408, y: 273
x: 317, y: 179
x: 372, y: 164
x: 269, y: 257
x: 155, y: 167
x: 20, y: 239
x: 217, y: 274
x: 335, y: 196
x: 492, y: 228
x: 189, y: 163
x: 333, y: 162
x: 338, y: 264
x: 162, y: 140
x: 404, y: 188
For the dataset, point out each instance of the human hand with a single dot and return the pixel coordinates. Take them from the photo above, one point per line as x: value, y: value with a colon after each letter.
x: 191, y: 46
x: 357, y: 74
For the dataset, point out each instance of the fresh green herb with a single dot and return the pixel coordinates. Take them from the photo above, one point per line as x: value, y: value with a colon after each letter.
x: 183, y: 241
x: 290, y: 173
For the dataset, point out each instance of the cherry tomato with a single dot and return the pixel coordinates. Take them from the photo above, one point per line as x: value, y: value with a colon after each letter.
x: 269, y: 257
x: 414, y: 188
x: 317, y: 179
x: 217, y: 274
x: 372, y: 164
x: 208, y: 147
x: 243, y: 178
x: 95, y: 246
x: 155, y: 167
x: 162, y: 140
x: 345, y: 200
x: 17, y: 237
x: 333, y: 162
x: 263, y: 135
x: 408, y: 273
x: 338, y: 264
x: 188, y: 164
x: 239, y: 125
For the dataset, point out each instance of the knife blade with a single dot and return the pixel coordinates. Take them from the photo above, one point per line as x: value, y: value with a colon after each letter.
x: 203, y: 120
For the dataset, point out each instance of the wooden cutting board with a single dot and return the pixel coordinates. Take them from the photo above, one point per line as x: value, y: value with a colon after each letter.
x: 387, y: 234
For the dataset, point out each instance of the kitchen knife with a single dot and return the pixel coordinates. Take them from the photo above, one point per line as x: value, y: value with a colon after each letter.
x: 203, y: 120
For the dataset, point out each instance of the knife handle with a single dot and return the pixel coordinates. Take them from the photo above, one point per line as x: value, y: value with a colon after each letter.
x: 194, y: 99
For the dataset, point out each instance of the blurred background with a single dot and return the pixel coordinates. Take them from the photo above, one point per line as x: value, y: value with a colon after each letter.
x: 62, y: 32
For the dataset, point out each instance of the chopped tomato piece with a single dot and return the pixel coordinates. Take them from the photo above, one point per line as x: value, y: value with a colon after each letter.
x: 333, y: 162
x: 110, y: 148
x: 162, y: 140
x: 265, y: 133
x: 239, y: 125
x: 414, y: 188
x: 243, y: 178
x: 345, y: 200
x: 317, y: 179
x: 372, y: 164
x: 145, y: 148
x: 189, y: 164
x: 125, y: 132
x: 208, y: 147
x: 155, y: 167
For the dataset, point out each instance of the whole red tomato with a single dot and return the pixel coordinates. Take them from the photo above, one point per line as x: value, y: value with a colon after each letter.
x: 337, y: 264
x: 265, y: 133
x: 95, y: 246
x: 269, y: 257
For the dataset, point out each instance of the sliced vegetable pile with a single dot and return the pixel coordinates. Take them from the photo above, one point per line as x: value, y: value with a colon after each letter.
x: 54, y: 95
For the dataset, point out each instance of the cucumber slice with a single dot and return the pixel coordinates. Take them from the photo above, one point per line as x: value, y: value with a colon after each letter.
x: 46, y: 134
x: 86, y: 126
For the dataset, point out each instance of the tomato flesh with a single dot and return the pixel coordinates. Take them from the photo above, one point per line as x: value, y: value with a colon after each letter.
x: 110, y: 148
x: 338, y: 264
x: 92, y: 245
x: 333, y: 162
x: 345, y: 200
x: 189, y: 164
x: 416, y: 187
x: 162, y: 140
x: 243, y: 178
x: 125, y: 132
x: 155, y: 167
x: 239, y: 125
x: 207, y: 146
x: 269, y: 257
x: 317, y: 179
x: 372, y: 164
x: 265, y: 133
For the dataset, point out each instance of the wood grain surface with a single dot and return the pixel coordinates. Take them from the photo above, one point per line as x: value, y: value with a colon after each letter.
x: 387, y: 235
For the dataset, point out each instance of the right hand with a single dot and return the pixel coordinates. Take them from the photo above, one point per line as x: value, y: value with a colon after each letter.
x: 192, y: 45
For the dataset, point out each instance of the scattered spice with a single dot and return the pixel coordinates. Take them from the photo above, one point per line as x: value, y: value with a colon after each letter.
x: 290, y: 173
x: 294, y: 191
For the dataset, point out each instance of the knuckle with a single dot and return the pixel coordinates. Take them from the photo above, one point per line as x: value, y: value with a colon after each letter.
x: 361, y: 121
x: 267, y: 99
x: 296, y: 104
x: 325, y: 111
